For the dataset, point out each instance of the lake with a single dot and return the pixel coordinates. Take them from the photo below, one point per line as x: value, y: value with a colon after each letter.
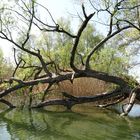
x: 83, y: 123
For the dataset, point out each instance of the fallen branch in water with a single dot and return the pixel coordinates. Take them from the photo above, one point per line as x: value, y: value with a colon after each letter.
x: 73, y: 100
x: 119, y: 99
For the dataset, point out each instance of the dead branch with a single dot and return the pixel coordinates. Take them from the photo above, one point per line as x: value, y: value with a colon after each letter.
x: 76, y: 41
x: 120, y: 99
x: 7, y: 103
x: 133, y: 97
x: 59, y: 78
x: 45, y: 92
x: 130, y: 104
x: 71, y: 100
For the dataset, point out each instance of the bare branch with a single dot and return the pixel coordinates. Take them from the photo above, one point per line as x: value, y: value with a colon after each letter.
x: 30, y: 25
x: 120, y: 99
x: 129, y: 8
x: 7, y: 103
x: 130, y: 105
x: 100, y: 44
x: 133, y: 25
x: 47, y: 11
x: 46, y: 91
x: 110, y: 27
x: 71, y: 101
x: 17, y: 63
x: 16, y: 80
x: 81, y: 29
x: 84, y: 12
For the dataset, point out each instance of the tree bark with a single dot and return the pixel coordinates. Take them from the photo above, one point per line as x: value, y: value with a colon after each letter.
x: 73, y: 100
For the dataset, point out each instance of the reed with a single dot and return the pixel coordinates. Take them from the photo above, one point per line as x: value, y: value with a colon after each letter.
x: 83, y: 87
x: 79, y: 87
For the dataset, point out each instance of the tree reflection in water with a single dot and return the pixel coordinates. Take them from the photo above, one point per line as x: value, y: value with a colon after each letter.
x: 46, y: 125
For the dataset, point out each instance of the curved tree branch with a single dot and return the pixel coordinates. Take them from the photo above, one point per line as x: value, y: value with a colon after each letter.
x: 100, y: 44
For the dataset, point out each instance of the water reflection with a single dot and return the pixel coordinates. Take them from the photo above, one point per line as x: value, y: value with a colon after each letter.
x: 88, y: 124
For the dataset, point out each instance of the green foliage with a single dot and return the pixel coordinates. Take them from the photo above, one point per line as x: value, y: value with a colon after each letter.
x: 1, y: 56
x: 130, y: 79
x: 89, y: 39
x: 109, y: 60
x: 5, y: 67
x: 63, y: 44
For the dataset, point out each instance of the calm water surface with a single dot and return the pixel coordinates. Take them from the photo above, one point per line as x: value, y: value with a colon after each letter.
x: 84, y: 123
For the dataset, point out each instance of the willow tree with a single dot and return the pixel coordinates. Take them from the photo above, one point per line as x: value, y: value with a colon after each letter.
x: 23, y: 18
